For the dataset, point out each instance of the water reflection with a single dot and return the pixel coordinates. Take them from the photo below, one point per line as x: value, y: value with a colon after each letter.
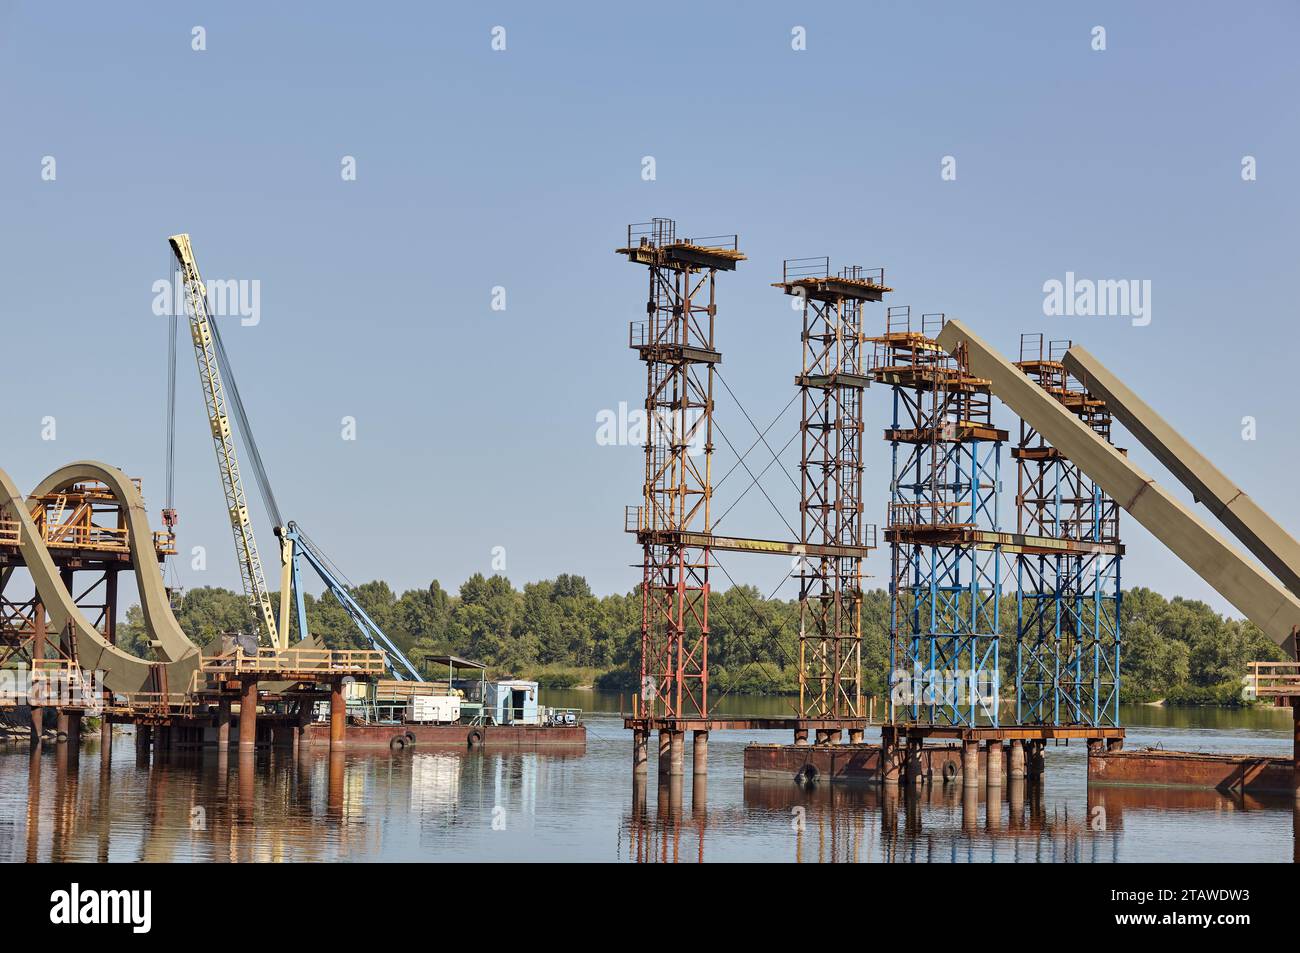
x: 102, y: 804
x: 852, y: 823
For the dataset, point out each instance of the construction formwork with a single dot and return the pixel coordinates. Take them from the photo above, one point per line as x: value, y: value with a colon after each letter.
x: 1067, y: 664
x: 676, y: 342
x: 943, y: 529
x: 831, y: 384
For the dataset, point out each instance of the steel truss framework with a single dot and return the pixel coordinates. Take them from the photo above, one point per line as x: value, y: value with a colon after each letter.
x: 946, y: 586
x: 831, y: 383
x: 675, y: 341
x: 1067, y: 603
x: 85, y: 531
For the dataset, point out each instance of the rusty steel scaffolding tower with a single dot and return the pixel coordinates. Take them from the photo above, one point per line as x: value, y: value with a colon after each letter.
x: 675, y: 340
x: 831, y: 384
x: 1067, y: 600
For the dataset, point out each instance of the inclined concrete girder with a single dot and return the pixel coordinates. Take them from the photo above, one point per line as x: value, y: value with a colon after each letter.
x: 1258, y: 532
x: 123, y: 672
x: 1255, y: 594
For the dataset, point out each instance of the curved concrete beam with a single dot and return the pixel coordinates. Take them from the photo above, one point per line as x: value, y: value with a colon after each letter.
x: 123, y: 672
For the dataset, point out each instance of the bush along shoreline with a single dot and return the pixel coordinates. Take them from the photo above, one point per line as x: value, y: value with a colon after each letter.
x: 559, y: 633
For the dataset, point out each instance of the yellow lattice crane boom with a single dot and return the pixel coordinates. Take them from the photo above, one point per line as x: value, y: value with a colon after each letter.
x: 206, y: 351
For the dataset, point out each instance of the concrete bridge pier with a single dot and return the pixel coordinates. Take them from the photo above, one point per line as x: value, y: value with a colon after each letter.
x: 677, y: 753
x: 640, y: 751
x: 700, y: 753
x: 970, y: 764
x: 993, y: 765
x: 1016, y: 761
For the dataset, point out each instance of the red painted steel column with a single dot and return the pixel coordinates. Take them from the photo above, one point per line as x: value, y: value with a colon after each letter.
x: 223, y: 724
x: 248, y: 714
x: 338, y: 715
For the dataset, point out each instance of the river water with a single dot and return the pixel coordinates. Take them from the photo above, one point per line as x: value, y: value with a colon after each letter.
x: 583, y: 805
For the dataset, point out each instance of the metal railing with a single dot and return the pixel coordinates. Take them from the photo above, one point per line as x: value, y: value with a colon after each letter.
x: 656, y: 232
x: 1274, y: 679
x: 271, y: 661
x: 798, y: 269
x: 932, y: 323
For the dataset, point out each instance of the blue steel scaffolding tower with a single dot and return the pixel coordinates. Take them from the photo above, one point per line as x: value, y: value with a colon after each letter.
x: 943, y: 528
x: 1068, y: 599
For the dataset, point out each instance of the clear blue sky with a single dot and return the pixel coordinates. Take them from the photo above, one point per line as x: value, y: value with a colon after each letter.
x: 475, y: 168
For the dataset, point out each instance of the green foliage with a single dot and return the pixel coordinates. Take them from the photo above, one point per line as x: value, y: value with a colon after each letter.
x: 561, y: 634
x: 1184, y: 652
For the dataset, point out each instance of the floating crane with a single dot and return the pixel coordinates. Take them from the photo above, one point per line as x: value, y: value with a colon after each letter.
x: 295, y: 545
x: 210, y: 355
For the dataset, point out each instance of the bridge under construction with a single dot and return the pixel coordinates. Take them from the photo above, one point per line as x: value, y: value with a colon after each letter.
x: 953, y: 560
x: 956, y: 667
x: 86, y: 524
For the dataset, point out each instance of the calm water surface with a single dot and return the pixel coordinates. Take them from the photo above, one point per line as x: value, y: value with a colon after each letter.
x: 583, y: 805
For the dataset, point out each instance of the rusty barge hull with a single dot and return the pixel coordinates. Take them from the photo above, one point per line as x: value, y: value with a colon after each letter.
x: 860, y: 763
x: 1189, y: 769
x: 453, y: 736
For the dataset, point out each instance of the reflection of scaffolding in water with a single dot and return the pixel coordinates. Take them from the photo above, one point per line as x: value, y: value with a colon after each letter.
x: 831, y: 385
x: 1067, y: 602
x: 675, y: 341
x: 943, y: 516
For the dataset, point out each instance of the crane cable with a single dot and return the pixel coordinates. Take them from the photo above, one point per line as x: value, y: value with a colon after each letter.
x: 169, y: 506
x: 244, y: 428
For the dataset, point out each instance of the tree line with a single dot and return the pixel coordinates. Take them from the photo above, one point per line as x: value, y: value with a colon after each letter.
x: 559, y: 632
